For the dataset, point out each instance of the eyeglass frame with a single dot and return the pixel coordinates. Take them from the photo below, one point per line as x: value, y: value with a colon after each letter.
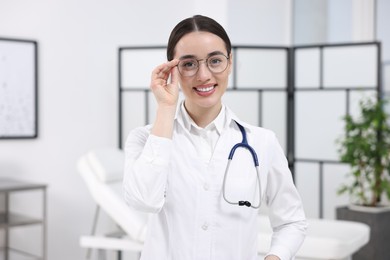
x: 205, y: 61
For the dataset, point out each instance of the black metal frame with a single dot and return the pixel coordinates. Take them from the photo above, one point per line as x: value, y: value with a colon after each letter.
x: 35, y: 94
x: 290, y: 90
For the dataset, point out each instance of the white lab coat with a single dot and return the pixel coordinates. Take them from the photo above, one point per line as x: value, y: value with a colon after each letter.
x: 192, y: 220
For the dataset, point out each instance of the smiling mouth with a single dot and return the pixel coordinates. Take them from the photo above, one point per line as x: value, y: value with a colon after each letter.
x: 207, y: 89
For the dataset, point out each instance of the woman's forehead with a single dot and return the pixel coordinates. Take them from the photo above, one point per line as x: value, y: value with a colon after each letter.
x: 199, y: 44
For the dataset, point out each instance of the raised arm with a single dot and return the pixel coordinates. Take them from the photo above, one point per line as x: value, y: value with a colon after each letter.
x: 147, y: 151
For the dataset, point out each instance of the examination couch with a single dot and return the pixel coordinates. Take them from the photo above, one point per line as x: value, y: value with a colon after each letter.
x: 102, y: 171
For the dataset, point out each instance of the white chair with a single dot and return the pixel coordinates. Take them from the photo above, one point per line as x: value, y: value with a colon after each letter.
x: 102, y: 171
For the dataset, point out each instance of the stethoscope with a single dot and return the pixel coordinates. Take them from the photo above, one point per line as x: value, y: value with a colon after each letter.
x: 243, y: 144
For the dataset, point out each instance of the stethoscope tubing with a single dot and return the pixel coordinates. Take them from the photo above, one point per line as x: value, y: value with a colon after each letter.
x: 243, y: 144
x: 247, y: 146
x: 241, y: 203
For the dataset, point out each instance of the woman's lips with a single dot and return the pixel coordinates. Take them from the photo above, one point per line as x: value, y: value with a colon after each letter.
x: 205, y: 90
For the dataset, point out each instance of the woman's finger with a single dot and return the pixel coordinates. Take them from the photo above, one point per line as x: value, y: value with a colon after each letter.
x: 163, y: 71
x: 174, y: 76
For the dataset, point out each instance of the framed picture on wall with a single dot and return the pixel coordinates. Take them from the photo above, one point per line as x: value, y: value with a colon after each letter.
x: 18, y: 89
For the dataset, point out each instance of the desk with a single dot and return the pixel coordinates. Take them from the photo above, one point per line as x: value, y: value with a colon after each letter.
x: 8, y: 219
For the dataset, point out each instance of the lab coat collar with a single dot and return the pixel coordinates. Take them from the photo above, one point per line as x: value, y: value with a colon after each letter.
x: 188, y: 122
x: 230, y: 117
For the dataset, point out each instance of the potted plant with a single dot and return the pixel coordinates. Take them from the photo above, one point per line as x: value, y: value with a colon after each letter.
x: 365, y: 146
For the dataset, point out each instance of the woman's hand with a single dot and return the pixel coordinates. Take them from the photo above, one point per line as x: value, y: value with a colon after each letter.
x: 166, y: 93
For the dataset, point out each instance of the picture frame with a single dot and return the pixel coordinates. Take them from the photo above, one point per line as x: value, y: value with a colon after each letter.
x: 18, y: 89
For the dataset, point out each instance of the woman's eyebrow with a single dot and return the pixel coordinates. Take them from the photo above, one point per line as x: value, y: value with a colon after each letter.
x: 215, y: 53
x: 191, y: 56
x: 188, y: 56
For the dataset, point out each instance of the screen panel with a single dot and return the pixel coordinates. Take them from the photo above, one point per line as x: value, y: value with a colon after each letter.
x: 274, y: 115
x: 137, y: 66
x: 152, y: 106
x: 307, y: 68
x: 386, y: 78
x: 350, y: 66
x: 261, y: 68
x: 133, y: 112
x: 308, y: 184
x: 318, y: 123
x: 334, y: 176
x: 248, y: 113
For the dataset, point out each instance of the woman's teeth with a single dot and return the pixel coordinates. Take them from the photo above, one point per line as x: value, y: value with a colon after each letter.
x: 205, y: 89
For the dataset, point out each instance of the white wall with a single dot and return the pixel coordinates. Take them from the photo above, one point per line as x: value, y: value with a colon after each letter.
x: 310, y: 21
x: 383, y: 35
x: 264, y: 22
x: 339, y: 21
x: 78, y: 42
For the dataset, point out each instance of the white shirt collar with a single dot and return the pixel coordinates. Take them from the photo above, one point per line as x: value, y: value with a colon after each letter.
x: 218, y: 123
x: 228, y: 118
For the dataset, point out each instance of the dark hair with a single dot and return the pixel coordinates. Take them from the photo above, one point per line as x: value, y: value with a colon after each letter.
x: 195, y: 24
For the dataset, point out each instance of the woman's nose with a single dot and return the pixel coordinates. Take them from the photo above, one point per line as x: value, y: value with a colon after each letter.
x: 203, y: 72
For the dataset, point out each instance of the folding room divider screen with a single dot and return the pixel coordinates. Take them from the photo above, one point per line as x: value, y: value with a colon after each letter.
x: 299, y: 92
x: 329, y: 82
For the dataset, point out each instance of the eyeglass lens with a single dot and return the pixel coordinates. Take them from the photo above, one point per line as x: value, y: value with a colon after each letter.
x: 216, y: 64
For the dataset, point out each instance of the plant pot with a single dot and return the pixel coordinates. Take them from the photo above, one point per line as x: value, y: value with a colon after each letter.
x: 379, y: 222
x: 380, y: 208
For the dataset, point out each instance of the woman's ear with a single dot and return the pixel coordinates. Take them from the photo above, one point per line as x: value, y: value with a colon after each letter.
x: 230, y: 62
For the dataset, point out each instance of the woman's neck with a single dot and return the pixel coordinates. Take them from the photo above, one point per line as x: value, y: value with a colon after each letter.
x: 203, y: 116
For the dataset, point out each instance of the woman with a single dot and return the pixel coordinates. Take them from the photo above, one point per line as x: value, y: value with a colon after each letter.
x: 175, y: 168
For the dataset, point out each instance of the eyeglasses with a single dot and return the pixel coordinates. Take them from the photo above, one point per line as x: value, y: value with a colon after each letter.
x: 216, y: 64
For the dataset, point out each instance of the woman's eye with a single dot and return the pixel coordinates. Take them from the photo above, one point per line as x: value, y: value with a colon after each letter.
x: 188, y: 64
x: 215, y: 61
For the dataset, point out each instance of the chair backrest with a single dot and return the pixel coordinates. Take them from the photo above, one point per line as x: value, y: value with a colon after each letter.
x: 102, y: 170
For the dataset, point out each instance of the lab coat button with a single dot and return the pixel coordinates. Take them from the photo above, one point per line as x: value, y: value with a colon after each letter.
x: 205, y: 226
x: 206, y: 186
